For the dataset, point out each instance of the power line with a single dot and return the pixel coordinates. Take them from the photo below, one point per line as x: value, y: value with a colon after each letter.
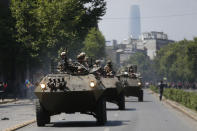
x: 150, y: 17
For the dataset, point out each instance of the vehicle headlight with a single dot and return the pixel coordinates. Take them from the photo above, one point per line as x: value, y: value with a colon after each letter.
x: 92, y: 84
x: 43, y: 86
x: 139, y: 83
x: 125, y: 73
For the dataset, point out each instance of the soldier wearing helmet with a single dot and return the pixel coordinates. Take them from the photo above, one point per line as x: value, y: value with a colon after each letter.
x: 63, y: 64
x: 131, y: 71
x: 82, y: 59
x: 109, y: 68
x: 97, y: 64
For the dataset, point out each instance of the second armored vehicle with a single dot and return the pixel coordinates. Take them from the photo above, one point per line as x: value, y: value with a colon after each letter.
x: 114, y: 91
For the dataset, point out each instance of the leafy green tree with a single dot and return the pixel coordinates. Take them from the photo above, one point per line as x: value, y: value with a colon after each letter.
x: 12, y: 53
x: 178, y: 61
x: 33, y: 31
x: 94, y: 44
x: 46, y: 26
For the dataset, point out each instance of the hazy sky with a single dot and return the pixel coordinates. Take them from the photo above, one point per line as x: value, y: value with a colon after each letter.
x: 177, y: 18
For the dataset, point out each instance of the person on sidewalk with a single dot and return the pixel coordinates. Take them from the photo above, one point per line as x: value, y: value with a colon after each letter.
x: 161, y: 88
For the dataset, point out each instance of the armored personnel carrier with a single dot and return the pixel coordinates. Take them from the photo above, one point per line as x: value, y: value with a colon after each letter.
x: 68, y: 92
x: 132, y: 83
x: 114, y: 91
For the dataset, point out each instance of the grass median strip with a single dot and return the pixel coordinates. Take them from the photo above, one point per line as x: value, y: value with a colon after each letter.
x: 20, y: 125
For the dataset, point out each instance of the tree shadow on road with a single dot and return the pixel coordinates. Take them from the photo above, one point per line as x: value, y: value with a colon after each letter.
x: 86, y: 124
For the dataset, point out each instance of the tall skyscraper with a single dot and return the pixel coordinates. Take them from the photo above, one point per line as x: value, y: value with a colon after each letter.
x: 135, y: 22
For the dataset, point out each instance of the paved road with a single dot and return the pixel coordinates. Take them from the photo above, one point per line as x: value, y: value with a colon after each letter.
x: 15, y: 113
x: 151, y: 115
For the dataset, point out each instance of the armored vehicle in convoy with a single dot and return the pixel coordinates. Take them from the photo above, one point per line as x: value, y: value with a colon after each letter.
x: 114, y: 91
x: 71, y: 90
x: 132, y: 83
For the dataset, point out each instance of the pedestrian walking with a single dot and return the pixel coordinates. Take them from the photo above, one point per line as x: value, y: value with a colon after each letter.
x: 161, y: 89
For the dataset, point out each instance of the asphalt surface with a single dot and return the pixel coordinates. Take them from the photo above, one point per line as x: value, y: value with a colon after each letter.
x: 15, y: 113
x: 150, y: 115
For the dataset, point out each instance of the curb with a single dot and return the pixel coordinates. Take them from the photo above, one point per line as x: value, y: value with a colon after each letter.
x: 20, y: 125
x: 4, y: 102
x: 188, y: 112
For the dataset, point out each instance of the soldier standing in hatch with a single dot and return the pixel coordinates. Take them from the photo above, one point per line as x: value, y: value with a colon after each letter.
x: 130, y: 69
x: 82, y: 59
x: 97, y: 66
x: 64, y: 64
x: 109, y: 69
x: 131, y: 72
x: 161, y: 88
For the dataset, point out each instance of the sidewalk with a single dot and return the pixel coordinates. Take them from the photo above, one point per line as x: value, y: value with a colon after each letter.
x: 14, y: 114
x: 7, y: 101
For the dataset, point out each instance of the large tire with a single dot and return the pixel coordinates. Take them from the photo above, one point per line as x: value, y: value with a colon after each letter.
x: 140, y: 97
x: 101, y: 112
x: 42, y: 116
x: 121, y: 101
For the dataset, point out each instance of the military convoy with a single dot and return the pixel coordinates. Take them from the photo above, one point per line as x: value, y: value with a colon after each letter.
x: 75, y: 88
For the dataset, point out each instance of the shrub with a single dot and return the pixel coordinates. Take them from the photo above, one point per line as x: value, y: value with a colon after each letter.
x: 188, y: 99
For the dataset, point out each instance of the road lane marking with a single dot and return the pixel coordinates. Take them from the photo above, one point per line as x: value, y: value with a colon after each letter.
x: 107, y: 129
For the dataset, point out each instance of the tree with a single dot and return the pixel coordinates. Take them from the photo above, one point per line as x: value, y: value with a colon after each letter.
x: 178, y: 61
x: 46, y: 26
x: 33, y: 31
x: 94, y: 44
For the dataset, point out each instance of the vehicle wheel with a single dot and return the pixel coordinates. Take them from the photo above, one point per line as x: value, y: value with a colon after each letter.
x: 121, y: 101
x: 42, y: 116
x: 101, y: 112
x: 140, y: 97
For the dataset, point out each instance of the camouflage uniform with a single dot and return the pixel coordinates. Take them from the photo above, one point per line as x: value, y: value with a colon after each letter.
x: 65, y: 65
x: 97, y: 64
x: 82, y: 59
x: 109, y: 69
x: 131, y: 71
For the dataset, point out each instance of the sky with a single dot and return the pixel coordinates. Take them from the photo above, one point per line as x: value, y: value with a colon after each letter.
x: 177, y: 18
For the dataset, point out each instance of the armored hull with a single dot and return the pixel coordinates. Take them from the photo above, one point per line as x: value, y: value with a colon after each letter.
x: 67, y: 93
x: 133, y: 87
x: 114, y: 91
